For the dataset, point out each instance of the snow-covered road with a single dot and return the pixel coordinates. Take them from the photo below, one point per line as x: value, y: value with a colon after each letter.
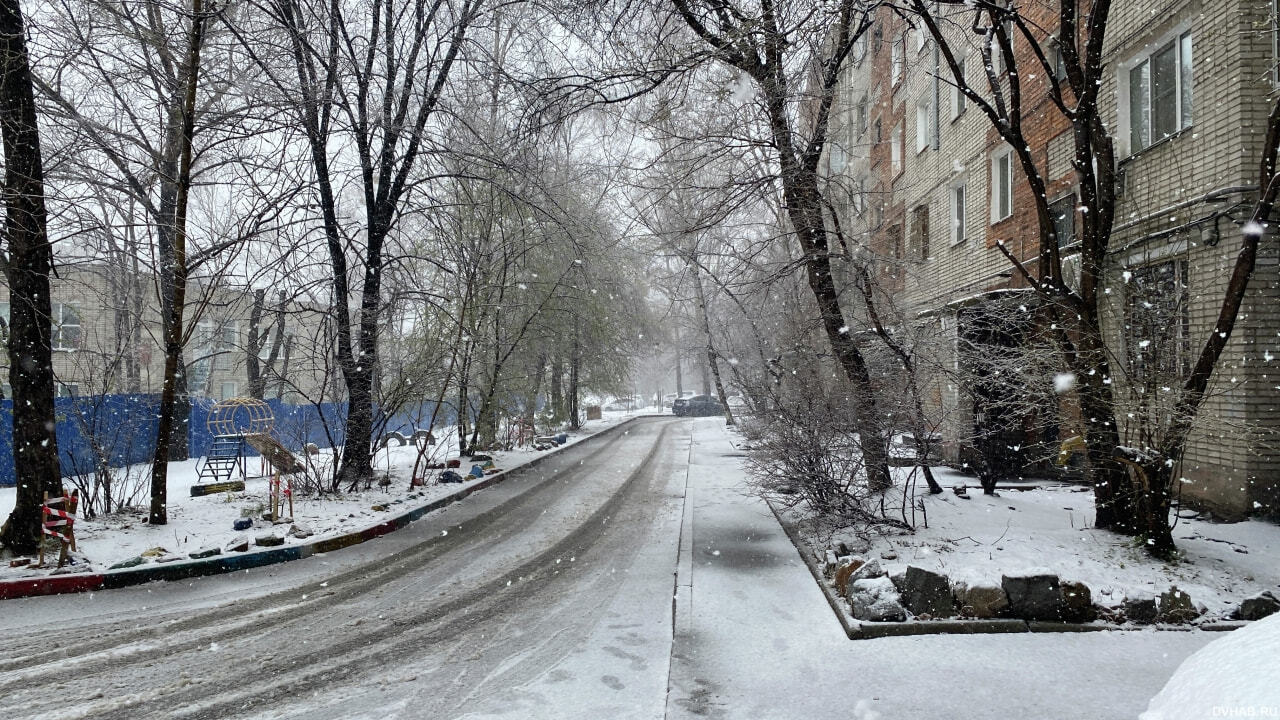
x: 549, y: 596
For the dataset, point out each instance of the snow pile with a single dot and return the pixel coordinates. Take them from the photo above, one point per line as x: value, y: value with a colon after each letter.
x: 1237, y: 676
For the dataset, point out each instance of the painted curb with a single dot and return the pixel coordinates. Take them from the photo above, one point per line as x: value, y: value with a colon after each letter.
x: 221, y: 564
x: 859, y: 630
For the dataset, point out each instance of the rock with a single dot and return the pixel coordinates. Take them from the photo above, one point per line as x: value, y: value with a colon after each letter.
x: 843, y: 571
x: 240, y: 544
x: 379, y: 508
x: 981, y: 601
x: 169, y: 559
x: 961, y: 491
x: 876, y: 600
x: 20, y: 562
x: 927, y: 593
x: 1176, y: 607
x: 1264, y: 604
x: 868, y: 571
x: 454, y: 463
x: 154, y: 552
x: 1033, y: 597
x: 842, y: 549
x: 300, y: 531
x: 830, y: 564
x: 242, y: 524
x: 888, y: 555
x: 131, y: 562
x: 1077, y: 600
x: 282, y: 521
x: 1140, y: 610
x: 268, y: 540
x: 204, y: 553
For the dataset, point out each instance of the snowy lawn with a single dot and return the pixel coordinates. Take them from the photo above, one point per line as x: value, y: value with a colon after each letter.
x: 206, y: 522
x: 976, y: 540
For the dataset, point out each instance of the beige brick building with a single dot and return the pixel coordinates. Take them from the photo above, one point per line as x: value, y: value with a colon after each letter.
x: 107, y: 339
x: 922, y: 179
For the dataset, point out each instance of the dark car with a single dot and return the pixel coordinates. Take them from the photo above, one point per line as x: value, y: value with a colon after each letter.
x: 697, y: 406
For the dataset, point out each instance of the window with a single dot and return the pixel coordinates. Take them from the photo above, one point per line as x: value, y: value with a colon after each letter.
x: 229, y: 390
x: 62, y: 389
x: 924, y: 124
x: 1160, y: 94
x: 895, y: 242
x: 1001, y: 184
x: 920, y: 233
x: 1057, y: 60
x: 859, y: 49
x: 921, y: 37
x: 896, y: 62
x: 66, y: 326
x: 895, y: 150
x: 958, y: 100
x: 878, y: 136
x: 836, y: 158
x: 1157, y: 323
x: 1063, y: 212
x: 959, y: 213
x: 861, y: 113
x: 4, y: 324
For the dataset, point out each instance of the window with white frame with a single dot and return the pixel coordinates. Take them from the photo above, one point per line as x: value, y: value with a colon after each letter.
x: 66, y: 326
x: 229, y: 390
x: 924, y: 124
x: 895, y: 150
x: 859, y: 49
x: 1160, y: 93
x: 959, y: 212
x: 1001, y: 184
x: 958, y: 100
x: 897, y: 63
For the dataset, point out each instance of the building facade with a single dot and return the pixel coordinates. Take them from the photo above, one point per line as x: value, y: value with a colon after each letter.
x: 106, y: 337
x: 920, y: 176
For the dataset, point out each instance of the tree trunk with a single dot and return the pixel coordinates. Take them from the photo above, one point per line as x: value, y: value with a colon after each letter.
x: 557, y: 391
x: 171, y: 430
x: 575, y: 360
x: 29, y: 263
x: 712, y: 360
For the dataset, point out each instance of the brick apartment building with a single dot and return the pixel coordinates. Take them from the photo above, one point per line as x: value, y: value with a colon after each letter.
x: 921, y: 177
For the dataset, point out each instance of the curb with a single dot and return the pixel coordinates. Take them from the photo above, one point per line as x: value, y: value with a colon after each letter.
x: 220, y: 564
x: 859, y: 630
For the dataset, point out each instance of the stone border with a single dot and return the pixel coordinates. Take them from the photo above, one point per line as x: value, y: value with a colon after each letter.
x: 860, y: 630
x: 219, y: 564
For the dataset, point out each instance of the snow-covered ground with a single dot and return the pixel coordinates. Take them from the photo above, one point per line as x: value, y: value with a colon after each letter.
x: 978, y: 539
x: 197, y: 523
x: 1236, y: 676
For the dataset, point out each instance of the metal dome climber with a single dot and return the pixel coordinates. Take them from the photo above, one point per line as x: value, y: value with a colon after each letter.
x: 240, y: 416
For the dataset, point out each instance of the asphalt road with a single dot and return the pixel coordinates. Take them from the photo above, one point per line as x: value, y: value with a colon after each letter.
x: 557, y: 582
x: 627, y: 576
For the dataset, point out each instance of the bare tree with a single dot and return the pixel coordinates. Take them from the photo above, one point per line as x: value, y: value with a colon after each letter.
x: 28, y: 261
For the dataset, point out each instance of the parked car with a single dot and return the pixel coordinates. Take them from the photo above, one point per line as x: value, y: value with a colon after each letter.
x: 697, y: 406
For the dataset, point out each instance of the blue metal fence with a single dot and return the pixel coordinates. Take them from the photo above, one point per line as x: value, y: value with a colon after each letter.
x: 124, y: 426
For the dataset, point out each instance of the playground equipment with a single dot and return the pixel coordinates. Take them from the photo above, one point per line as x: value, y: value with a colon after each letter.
x: 235, y: 424
x: 62, y: 510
